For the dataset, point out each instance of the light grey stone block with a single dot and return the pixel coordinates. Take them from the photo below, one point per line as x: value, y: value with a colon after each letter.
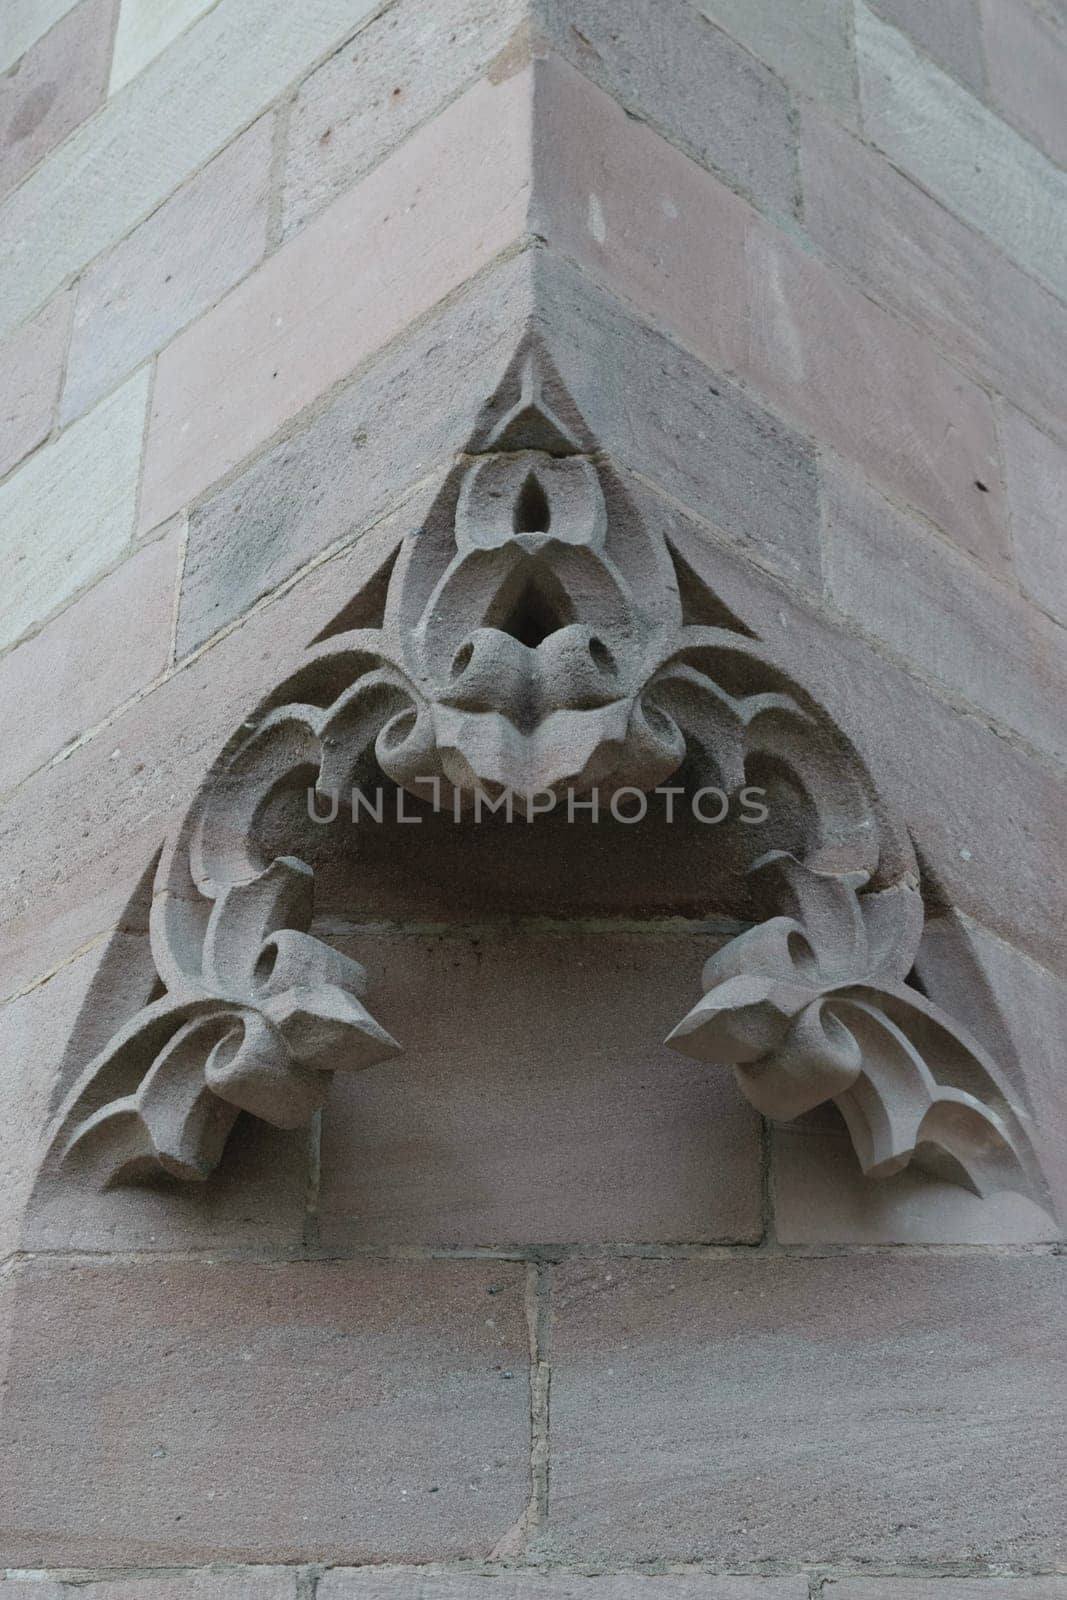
x: 949, y: 32
x: 806, y: 42
x: 975, y: 164
x: 145, y: 29
x: 24, y: 23
x: 67, y: 514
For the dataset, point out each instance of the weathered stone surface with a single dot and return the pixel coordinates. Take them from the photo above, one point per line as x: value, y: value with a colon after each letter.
x: 820, y: 1196
x: 1027, y: 64
x: 963, y: 154
x: 251, y: 1583
x: 67, y: 514
x: 393, y: 1583
x: 405, y: 414
x: 88, y: 827
x: 184, y: 108
x: 65, y: 679
x: 690, y: 81
x: 950, y: 33
x: 368, y: 97
x: 910, y: 420
x: 1036, y: 472
x: 341, y: 1411
x: 322, y: 304
x: 1020, y: 1588
x: 57, y: 84
x: 146, y: 28
x: 744, y: 1410
x: 697, y: 433
x: 170, y: 269
x: 806, y: 42
x: 1018, y: 1009
x: 986, y: 818
x: 33, y: 1035
x: 31, y: 366
x: 513, y: 1051
x: 25, y: 21
x: 900, y: 582
x: 638, y: 216
x: 921, y: 261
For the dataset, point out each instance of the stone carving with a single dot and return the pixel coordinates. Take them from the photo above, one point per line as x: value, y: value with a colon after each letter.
x: 536, y: 635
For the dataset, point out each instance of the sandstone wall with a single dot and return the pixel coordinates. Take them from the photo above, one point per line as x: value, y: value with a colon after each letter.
x: 537, y: 1295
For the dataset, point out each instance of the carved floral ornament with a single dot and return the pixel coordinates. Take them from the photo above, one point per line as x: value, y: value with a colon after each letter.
x: 535, y: 638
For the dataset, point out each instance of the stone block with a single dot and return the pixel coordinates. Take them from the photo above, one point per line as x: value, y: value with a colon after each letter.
x: 31, y: 367
x: 449, y: 200
x: 903, y: 414
x: 57, y: 84
x: 690, y: 81
x: 807, y: 44
x: 1018, y: 1588
x: 919, y: 260
x: 1036, y: 471
x: 33, y: 1034
x: 986, y: 817
x: 873, y: 1408
x: 936, y: 609
x: 1027, y: 64
x: 515, y: 1047
x: 950, y: 33
x: 820, y: 1196
x: 638, y: 216
x: 250, y: 1583
x: 395, y: 1584
x: 65, y: 679
x: 184, y: 108
x: 145, y: 29
x: 67, y: 515
x: 367, y: 98
x: 192, y: 1412
x: 26, y: 21
x: 964, y: 155
x: 173, y: 267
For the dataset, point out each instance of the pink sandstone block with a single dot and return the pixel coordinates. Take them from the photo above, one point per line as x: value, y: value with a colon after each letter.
x: 58, y: 83
x: 514, y: 1050
x: 1036, y: 468
x: 179, y: 261
x: 60, y: 682
x: 638, y: 215
x: 443, y: 205
x: 193, y: 1412
x: 918, y: 260
x: 31, y: 366
x: 696, y: 259
x: 890, y: 1408
x: 877, y: 392
x: 397, y: 1584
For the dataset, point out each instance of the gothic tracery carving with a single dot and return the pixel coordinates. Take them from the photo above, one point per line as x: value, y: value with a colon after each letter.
x: 535, y: 638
